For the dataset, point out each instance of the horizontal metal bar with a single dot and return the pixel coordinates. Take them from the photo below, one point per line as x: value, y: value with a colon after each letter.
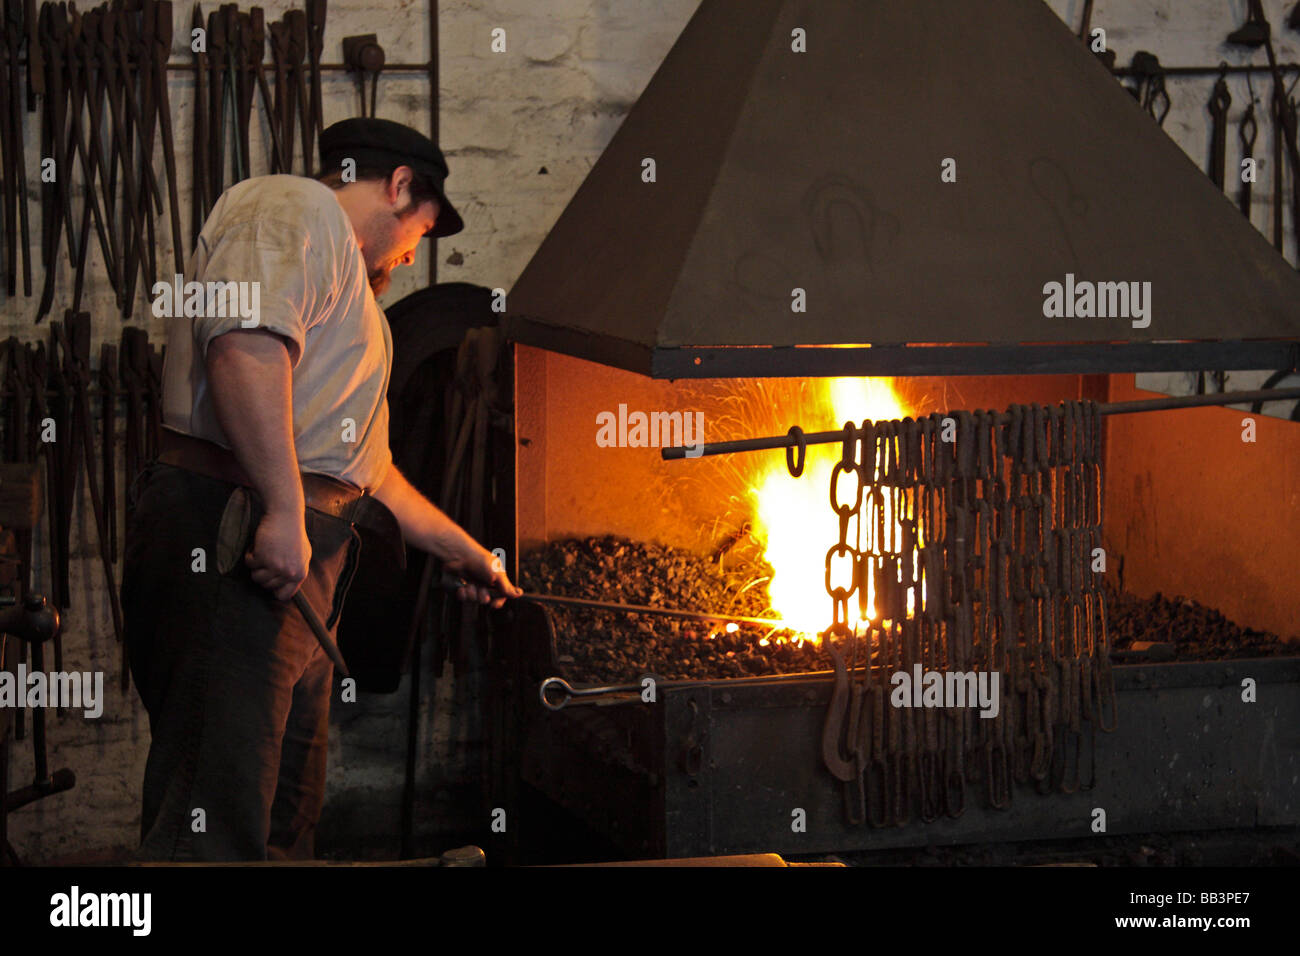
x: 974, y: 359
x: 663, y: 612
x: 1118, y: 72
x: 326, y: 67
x: 188, y: 67
x: 1206, y: 70
x: 1200, y: 401
x: 593, y: 692
x: 678, y: 452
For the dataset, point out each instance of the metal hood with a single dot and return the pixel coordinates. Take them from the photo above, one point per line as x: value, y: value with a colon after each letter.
x: 778, y: 170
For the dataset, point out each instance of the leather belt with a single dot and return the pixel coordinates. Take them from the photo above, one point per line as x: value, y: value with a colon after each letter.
x: 321, y: 492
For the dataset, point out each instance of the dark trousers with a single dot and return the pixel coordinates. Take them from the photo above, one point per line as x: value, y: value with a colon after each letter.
x: 236, y: 685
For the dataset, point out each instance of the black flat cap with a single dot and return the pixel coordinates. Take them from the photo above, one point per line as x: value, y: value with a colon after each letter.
x: 371, y: 141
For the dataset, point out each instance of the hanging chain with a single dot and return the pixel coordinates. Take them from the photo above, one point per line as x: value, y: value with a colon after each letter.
x: 971, y: 544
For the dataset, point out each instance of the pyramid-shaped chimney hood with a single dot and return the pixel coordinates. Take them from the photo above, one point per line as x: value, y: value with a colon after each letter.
x: 821, y: 171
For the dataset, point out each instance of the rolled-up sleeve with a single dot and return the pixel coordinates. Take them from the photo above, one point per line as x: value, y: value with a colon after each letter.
x: 281, y: 270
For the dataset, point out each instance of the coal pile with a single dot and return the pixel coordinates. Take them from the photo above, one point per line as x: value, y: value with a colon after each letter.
x: 604, y: 647
x: 613, y: 647
x: 1196, y: 632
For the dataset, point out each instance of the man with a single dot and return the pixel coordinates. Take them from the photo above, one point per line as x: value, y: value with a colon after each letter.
x: 288, y: 400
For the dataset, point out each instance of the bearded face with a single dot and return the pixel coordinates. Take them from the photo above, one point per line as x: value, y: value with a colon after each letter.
x: 390, y: 240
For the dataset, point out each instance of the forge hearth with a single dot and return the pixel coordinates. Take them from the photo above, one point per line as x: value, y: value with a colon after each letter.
x: 607, y: 647
x: 610, y: 647
x: 734, y: 744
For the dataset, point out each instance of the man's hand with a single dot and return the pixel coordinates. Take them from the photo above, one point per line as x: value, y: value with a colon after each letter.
x: 430, y: 530
x: 281, y: 553
x: 486, y: 578
x: 252, y: 389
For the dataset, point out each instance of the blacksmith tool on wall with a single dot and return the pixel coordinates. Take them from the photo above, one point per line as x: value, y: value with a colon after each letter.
x: 162, y: 39
x: 1150, y: 91
x: 67, y: 33
x: 281, y: 116
x: 114, y: 72
x: 1246, y: 133
x: 250, y: 60
x: 1277, y: 110
x: 108, y: 441
x: 35, y: 55
x: 315, y: 44
x: 199, y: 177
x: 232, y: 542
x: 1255, y: 31
x: 364, y: 57
x: 1220, y: 101
x: 1106, y: 56
x: 298, y: 95
x: 34, y: 624
x: 73, y: 341
x: 56, y: 196
x: 14, y: 152
x: 231, y: 67
x: 256, y: 55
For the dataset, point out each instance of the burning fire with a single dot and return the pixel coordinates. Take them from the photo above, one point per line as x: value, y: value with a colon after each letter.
x: 794, y: 514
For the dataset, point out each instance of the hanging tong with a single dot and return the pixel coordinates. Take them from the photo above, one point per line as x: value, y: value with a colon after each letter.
x: 364, y: 57
x: 1150, y: 91
x: 297, y: 22
x: 216, y: 155
x: 114, y: 77
x: 233, y: 63
x: 1255, y: 31
x: 162, y: 38
x: 57, y: 205
x: 1220, y: 101
x: 36, y: 72
x: 85, y: 83
x: 282, y: 116
x: 256, y: 49
x: 315, y: 45
x: 1246, y: 133
x: 248, y: 59
x: 15, y: 169
x: 136, y: 41
x: 201, y: 193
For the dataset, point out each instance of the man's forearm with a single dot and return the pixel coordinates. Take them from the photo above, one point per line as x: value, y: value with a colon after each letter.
x: 252, y: 393
x: 424, y: 525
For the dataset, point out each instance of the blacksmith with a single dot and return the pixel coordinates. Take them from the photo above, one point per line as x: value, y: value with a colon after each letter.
x: 291, y: 405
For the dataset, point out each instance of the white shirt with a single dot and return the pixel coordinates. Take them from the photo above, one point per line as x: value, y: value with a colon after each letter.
x: 289, y: 235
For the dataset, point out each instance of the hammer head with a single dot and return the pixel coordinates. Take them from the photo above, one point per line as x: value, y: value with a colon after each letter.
x: 232, y: 533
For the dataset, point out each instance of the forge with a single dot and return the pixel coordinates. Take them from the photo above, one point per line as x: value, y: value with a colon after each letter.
x: 973, y: 512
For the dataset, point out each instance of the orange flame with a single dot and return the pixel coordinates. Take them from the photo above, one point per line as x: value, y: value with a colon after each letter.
x: 794, y: 514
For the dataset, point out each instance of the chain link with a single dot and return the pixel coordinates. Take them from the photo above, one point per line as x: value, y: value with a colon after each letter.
x: 970, y: 541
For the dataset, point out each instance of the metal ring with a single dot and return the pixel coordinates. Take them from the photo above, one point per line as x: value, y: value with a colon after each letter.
x: 795, y: 465
x: 560, y: 684
x: 846, y: 511
x: 841, y: 594
x: 848, y: 453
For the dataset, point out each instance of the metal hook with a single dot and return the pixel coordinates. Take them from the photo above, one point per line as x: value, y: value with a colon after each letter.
x: 795, y: 462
